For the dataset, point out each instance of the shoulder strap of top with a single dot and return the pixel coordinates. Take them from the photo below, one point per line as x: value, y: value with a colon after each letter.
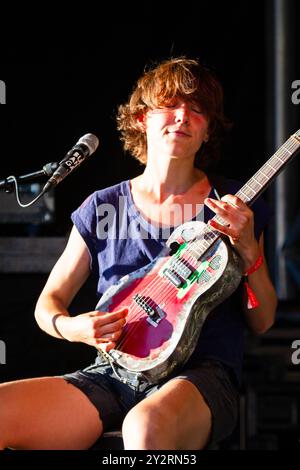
x: 219, y: 183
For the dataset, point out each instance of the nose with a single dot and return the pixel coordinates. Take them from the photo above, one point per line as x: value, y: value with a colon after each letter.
x: 182, y: 114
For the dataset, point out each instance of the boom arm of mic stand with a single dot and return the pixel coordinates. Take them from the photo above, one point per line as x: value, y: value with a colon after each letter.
x: 8, y: 185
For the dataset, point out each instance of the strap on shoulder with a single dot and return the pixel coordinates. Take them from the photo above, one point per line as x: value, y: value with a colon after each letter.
x: 218, y: 182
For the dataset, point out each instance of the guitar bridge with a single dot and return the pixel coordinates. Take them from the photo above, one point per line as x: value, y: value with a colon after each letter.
x: 154, y: 312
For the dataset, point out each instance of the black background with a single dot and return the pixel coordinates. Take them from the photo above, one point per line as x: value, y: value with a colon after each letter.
x: 56, y: 94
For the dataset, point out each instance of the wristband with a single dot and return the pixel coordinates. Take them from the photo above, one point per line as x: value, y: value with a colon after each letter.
x: 252, y: 301
x: 255, y: 266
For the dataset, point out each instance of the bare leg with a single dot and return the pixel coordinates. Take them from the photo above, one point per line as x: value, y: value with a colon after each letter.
x: 174, y: 418
x: 46, y: 413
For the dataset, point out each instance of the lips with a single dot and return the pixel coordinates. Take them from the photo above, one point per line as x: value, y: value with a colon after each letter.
x: 178, y: 132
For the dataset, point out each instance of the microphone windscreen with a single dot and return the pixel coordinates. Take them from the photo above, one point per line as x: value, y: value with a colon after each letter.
x: 90, y: 140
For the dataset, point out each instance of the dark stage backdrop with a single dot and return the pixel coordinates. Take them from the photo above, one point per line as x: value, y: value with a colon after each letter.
x: 57, y: 94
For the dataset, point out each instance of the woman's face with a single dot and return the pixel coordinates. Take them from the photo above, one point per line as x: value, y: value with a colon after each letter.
x: 177, y: 129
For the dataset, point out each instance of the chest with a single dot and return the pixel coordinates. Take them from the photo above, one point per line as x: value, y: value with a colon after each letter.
x: 173, y: 212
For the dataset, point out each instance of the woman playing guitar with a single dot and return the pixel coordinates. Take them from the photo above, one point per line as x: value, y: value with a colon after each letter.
x: 172, y: 123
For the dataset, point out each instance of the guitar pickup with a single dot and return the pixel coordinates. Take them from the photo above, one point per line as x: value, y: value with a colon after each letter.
x: 178, y: 272
x: 173, y: 277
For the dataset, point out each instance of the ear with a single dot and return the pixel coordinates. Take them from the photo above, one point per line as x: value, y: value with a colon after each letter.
x: 206, y: 138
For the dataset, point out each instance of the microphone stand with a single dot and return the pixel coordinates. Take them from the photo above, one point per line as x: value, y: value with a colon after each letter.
x: 11, y: 181
x: 8, y: 184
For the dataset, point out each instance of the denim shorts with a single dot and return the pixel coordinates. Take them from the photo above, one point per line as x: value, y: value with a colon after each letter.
x: 113, y: 398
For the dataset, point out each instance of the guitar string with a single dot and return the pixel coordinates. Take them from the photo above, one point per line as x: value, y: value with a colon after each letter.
x: 167, y: 293
x: 172, y: 291
x: 150, y: 289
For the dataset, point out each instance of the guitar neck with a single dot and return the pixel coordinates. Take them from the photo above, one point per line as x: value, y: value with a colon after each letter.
x: 263, y: 177
x: 257, y: 184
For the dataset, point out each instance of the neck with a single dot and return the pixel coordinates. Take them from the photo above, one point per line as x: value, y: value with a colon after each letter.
x: 163, y: 178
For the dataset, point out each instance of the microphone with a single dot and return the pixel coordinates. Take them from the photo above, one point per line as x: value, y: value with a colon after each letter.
x: 85, y: 146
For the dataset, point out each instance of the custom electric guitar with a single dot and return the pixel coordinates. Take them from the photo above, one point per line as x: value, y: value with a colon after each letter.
x: 170, y: 298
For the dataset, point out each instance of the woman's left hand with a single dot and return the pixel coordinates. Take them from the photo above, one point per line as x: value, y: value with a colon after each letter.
x: 238, y: 226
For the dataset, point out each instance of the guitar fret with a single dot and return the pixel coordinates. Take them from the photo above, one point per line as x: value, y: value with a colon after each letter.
x: 281, y: 160
x: 253, y: 185
x: 248, y: 186
x: 244, y: 194
x: 257, y: 182
x: 267, y: 173
x: 265, y: 177
x: 269, y: 164
x: 288, y: 151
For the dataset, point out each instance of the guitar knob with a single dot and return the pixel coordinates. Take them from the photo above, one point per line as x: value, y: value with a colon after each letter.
x: 174, y: 247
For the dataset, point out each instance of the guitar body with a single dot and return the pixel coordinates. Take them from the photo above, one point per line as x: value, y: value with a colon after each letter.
x: 167, y: 310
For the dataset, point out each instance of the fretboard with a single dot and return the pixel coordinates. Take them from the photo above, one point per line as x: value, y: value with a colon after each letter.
x: 254, y: 187
x: 263, y: 177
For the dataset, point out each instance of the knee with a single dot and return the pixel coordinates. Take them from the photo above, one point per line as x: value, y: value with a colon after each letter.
x: 145, y: 429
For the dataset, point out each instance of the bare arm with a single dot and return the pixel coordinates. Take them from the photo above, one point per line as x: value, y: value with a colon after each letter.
x: 261, y: 318
x: 240, y: 230
x: 66, y: 278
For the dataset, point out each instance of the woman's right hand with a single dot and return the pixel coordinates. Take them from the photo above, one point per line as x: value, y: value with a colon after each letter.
x: 98, y: 329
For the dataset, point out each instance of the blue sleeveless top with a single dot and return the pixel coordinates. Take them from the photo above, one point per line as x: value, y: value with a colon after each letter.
x: 120, y: 241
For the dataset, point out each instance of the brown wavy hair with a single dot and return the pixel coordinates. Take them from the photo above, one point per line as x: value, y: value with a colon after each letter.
x: 182, y: 77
